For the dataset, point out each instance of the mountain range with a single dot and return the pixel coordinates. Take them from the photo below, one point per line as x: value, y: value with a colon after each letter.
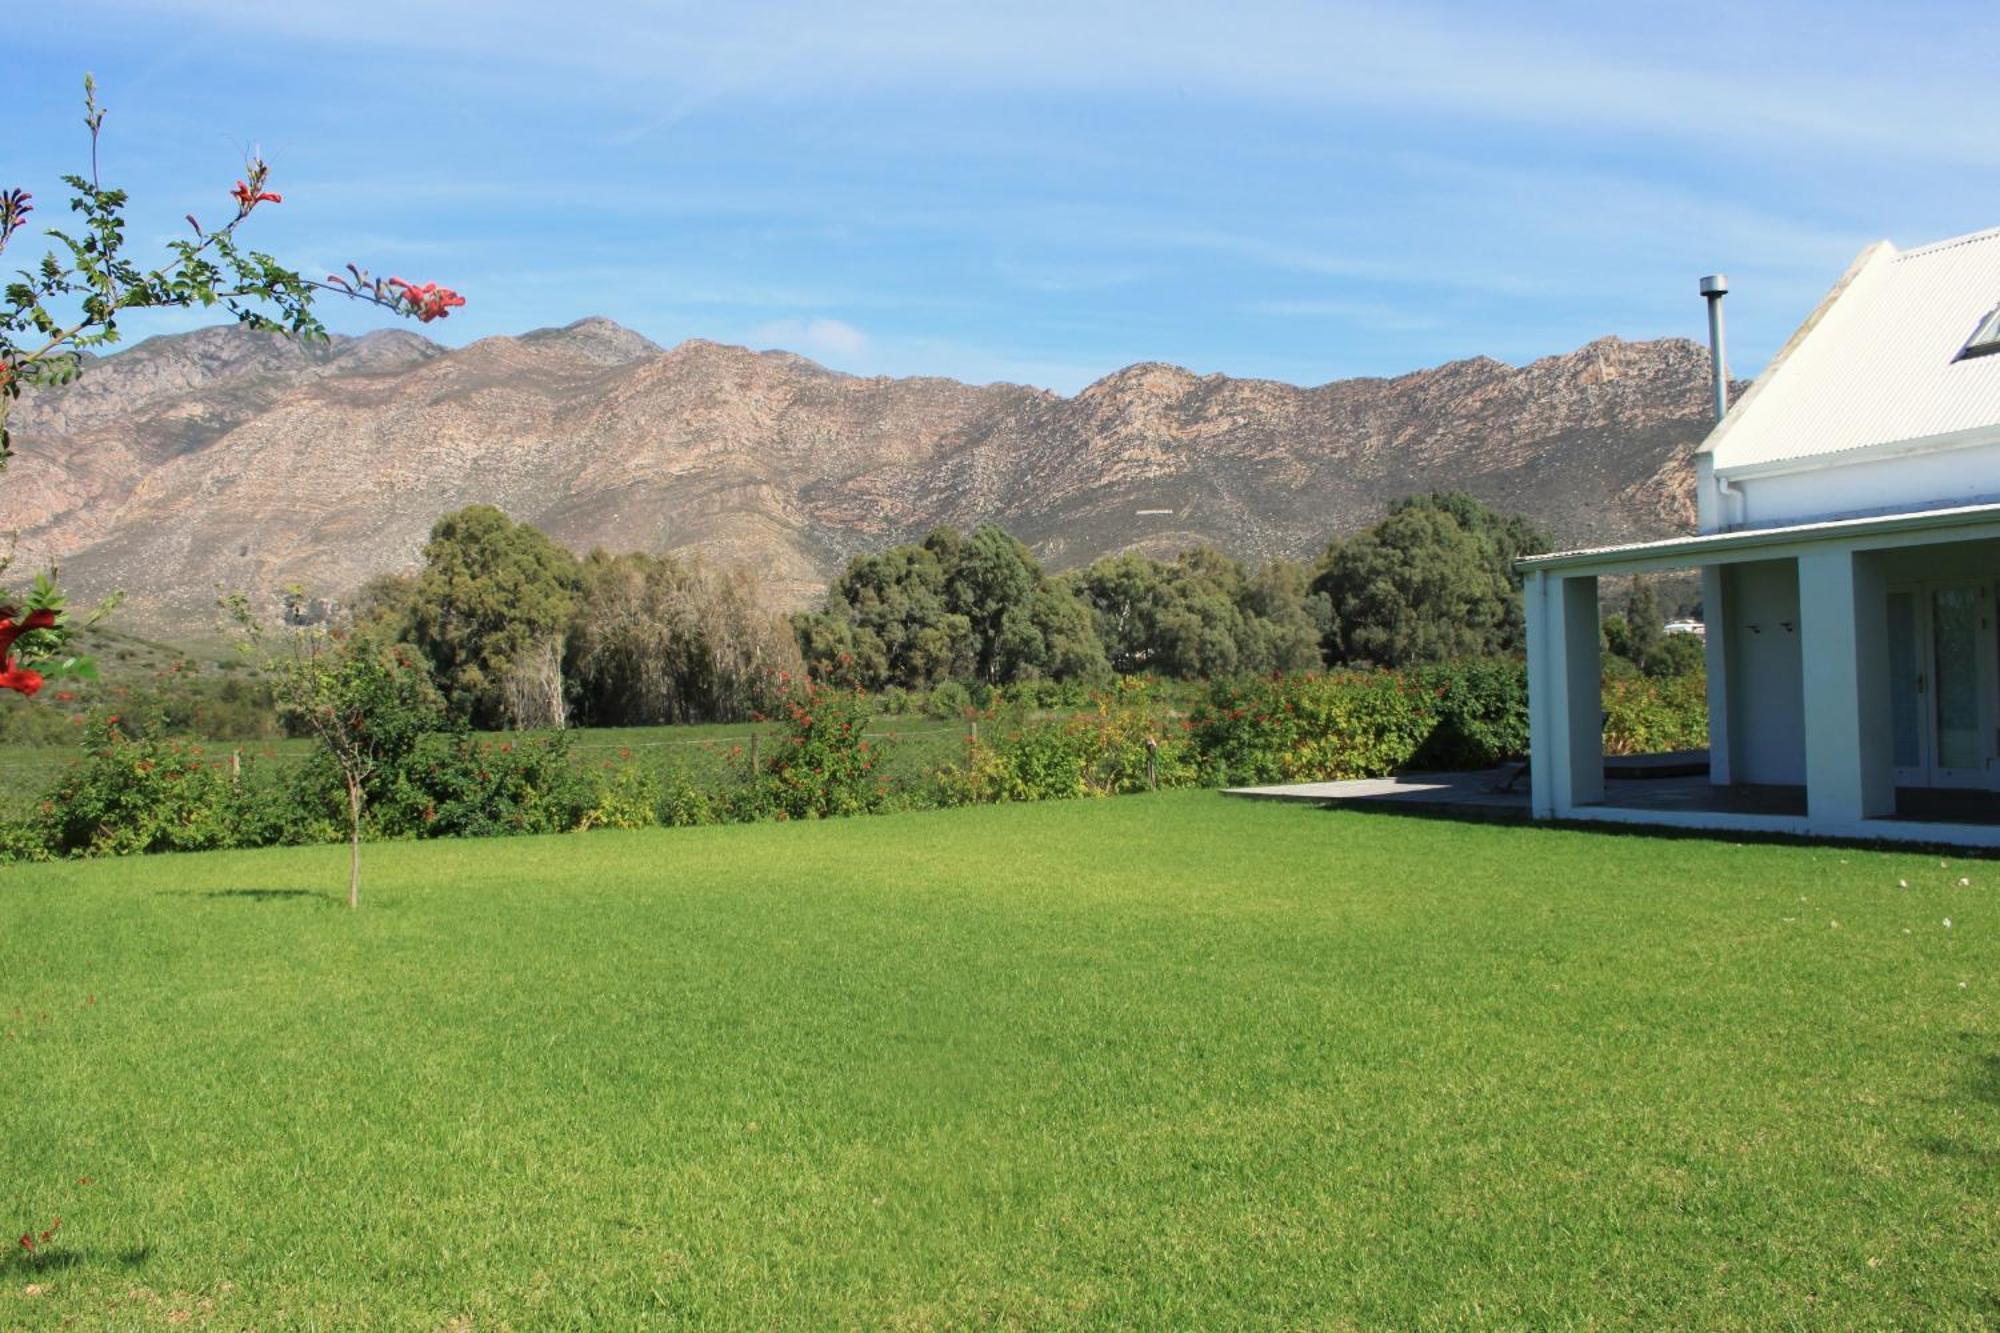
x: 229, y: 459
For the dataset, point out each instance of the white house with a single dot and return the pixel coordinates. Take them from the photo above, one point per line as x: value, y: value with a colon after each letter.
x: 1849, y: 550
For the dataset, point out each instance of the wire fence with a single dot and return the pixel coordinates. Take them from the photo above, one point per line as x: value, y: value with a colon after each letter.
x: 747, y: 737
x: 223, y: 754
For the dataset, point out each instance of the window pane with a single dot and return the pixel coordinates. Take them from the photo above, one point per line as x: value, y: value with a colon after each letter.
x: 1955, y: 626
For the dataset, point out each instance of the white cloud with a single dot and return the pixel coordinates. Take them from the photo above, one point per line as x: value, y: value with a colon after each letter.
x: 822, y: 339
x: 1375, y: 316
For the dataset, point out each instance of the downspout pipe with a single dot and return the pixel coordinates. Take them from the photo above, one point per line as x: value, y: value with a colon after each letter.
x: 1729, y: 491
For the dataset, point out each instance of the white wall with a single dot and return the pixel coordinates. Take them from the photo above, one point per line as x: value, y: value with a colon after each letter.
x: 1766, y: 686
x: 1888, y: 485
x: 1711, y: 513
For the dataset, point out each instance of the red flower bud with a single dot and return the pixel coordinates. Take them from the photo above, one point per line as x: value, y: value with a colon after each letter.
x: 14, y: 209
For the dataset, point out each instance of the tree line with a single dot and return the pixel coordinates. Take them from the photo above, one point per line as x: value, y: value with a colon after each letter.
x: 518, y: 632
x: 1432, y: 581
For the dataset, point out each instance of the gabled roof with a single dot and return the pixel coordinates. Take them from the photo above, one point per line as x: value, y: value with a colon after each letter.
x: 1876, y: 369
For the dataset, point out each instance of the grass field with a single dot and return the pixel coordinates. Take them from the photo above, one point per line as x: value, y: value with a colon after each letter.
x: 1170, y: 1061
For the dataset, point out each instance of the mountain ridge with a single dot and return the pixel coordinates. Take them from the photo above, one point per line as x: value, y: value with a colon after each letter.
x: 227, y: 458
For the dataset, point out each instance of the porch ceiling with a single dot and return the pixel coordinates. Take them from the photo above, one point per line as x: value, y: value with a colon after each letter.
x: 1922, y: 527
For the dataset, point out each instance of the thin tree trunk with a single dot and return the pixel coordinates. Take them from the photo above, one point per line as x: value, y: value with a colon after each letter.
x: 354, y: 844
x: 552, y: 686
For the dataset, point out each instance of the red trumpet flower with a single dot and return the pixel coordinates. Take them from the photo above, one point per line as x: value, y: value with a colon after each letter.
x: 428, y: 301
x: 20, y: 678
x: 9, y: 631
x: 248, y: 197
x: 14, y: 677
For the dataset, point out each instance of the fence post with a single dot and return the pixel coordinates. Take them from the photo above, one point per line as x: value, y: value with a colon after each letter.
x: 1152, y: 764
x: 972, y: 732
x: 236, y: 765
x: 753, y: 754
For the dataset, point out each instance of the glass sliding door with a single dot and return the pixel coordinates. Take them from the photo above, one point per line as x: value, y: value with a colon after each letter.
x: 1944, y: 683
x: 1955, y: 631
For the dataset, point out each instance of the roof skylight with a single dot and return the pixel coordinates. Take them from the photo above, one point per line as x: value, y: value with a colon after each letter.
x: 1986, y: 341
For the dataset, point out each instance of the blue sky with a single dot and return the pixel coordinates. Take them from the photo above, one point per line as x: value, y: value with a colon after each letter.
x: 1044, y: 192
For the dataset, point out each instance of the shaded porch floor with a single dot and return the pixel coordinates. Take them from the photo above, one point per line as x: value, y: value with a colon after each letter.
x: 1491, y: 794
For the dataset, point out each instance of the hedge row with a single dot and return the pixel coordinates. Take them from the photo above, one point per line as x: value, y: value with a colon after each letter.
x: 1353, y: 724
x: 129, y: 794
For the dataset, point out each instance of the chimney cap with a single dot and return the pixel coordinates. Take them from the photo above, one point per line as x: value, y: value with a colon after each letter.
x: 1715, y: 284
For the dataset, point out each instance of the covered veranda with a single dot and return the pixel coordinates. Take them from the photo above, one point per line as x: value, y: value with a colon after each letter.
x: 1853, y: 680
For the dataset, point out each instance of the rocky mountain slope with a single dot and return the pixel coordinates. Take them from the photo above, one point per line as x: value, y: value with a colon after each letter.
x: 228, y: 459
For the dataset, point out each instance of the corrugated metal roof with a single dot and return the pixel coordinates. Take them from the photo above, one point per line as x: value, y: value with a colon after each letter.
x: 1708, y: 545
x: 1880, y: 368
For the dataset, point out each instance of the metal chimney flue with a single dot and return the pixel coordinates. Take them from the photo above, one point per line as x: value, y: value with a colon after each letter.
x: 1713, y: 288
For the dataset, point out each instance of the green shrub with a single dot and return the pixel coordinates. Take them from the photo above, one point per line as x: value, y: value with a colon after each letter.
x: 1045, y: 762
x: 823, y: 764
x: 627, y: 796
x: 1648, y: 716
x: 1100, y: 753
x: 23, y: 839
x: 1121, y: 759
x: 1677, y: 655
x: 687, y: 804
x: 1353, y: 724
x: 1614, y: 666
x: 1481, y: 714
x: 948, y: 701
x: 457, y: 786
x: 272, y: 806
x: 128, y: 795
x: 1346, y: 724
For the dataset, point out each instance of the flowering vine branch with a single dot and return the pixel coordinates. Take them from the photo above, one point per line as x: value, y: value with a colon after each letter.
x: 72, y: 300
x: 59, y: 309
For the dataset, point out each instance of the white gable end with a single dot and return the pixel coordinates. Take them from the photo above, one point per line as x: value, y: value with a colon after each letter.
x: 1874, y: 405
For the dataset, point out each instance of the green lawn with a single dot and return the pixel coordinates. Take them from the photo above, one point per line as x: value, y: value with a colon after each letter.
x: 1169, y: 1061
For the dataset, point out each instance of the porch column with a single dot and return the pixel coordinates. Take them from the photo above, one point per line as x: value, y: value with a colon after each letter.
x: 1565, y: 699
x: 1844, y: 650
x: 1715, y: 636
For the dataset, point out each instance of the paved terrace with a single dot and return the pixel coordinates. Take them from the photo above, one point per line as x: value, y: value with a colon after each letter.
x: 1658, y: 783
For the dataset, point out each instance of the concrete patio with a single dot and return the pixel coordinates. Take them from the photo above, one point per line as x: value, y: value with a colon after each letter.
x: 1923, y: 814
